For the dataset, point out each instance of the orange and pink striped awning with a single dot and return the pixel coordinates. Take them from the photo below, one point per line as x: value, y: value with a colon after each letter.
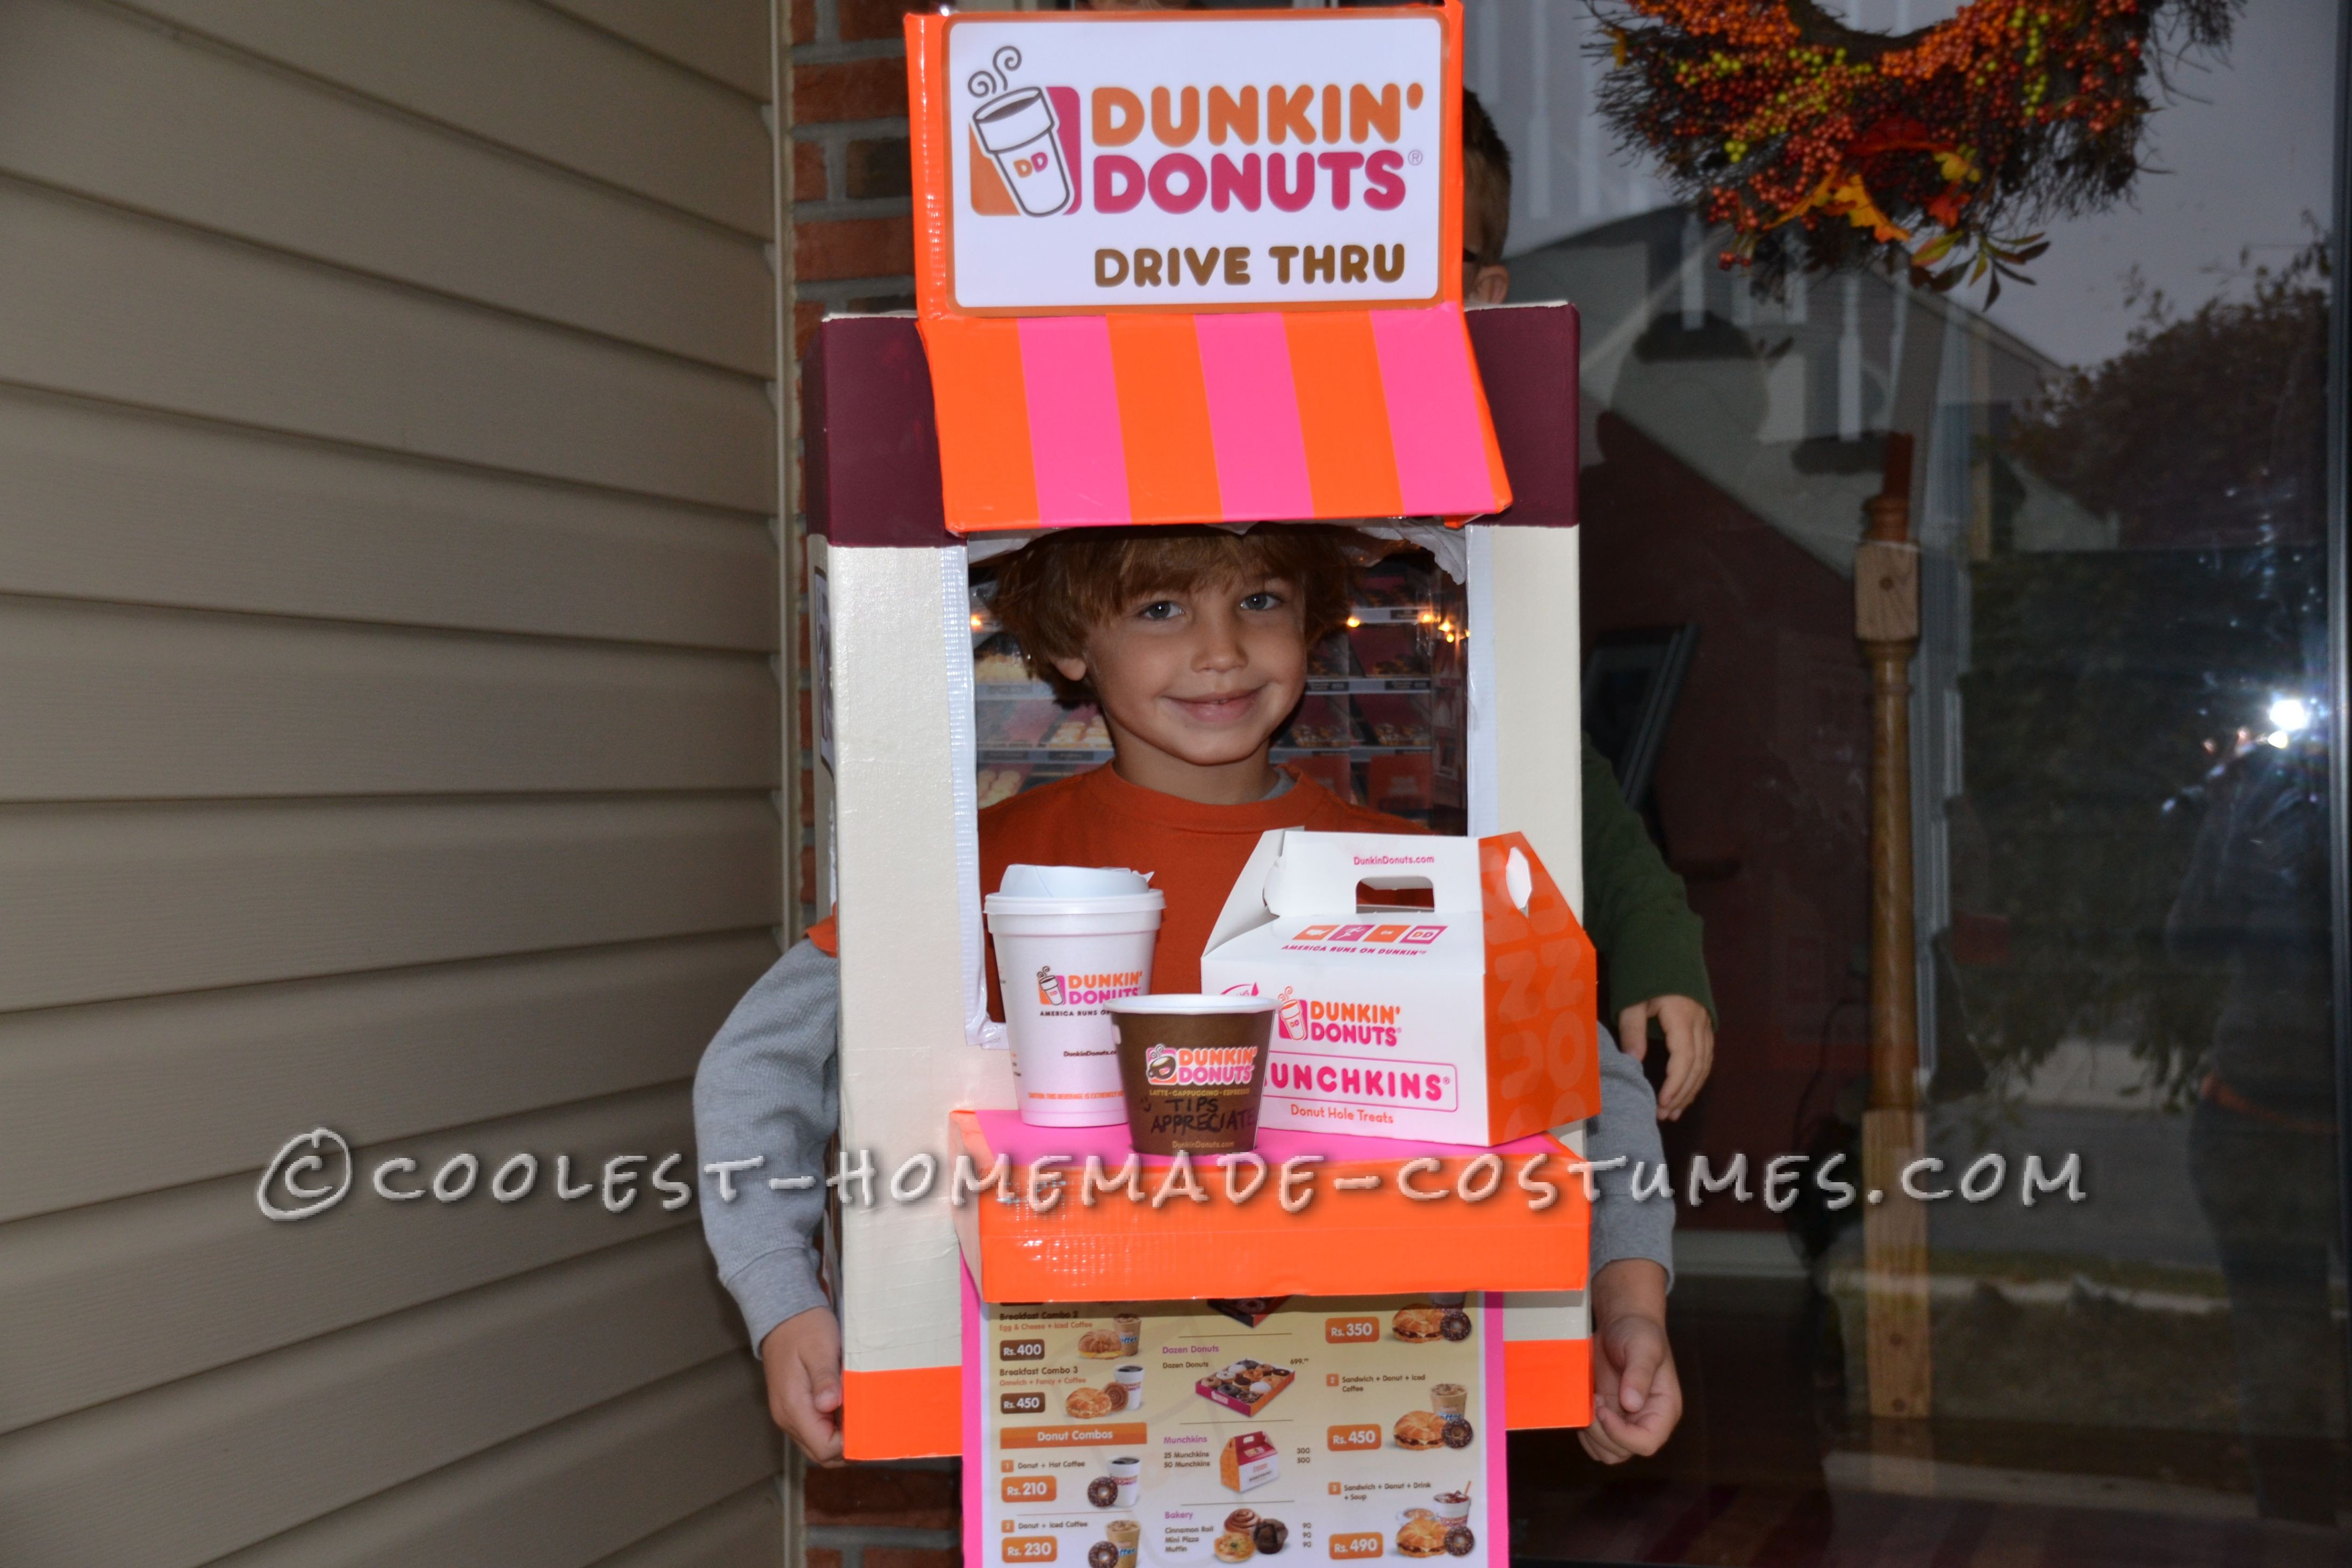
x: 1059, y: 421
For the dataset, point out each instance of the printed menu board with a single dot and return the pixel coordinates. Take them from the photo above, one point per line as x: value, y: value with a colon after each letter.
x: 1165, y: 1435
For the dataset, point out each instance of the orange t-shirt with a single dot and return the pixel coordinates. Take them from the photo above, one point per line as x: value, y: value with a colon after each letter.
x: 1195, y: 851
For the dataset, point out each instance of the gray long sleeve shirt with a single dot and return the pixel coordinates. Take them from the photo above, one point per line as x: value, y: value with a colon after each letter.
x: 770, y: 1089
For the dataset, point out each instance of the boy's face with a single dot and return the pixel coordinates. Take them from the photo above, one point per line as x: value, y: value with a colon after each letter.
x: 1203, y: 676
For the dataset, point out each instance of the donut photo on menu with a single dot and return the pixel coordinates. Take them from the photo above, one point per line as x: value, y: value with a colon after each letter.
x: 1418, y: 1325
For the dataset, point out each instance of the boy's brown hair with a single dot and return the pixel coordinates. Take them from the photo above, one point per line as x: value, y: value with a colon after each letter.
x: 1486, y: 182
x: 1053, y: 591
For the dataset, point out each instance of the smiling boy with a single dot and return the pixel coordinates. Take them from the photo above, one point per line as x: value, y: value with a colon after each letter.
x: 1194, y: 642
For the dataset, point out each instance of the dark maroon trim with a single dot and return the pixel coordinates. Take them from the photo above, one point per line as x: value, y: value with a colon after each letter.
x: 1527, y: 358
x: 871, y: 450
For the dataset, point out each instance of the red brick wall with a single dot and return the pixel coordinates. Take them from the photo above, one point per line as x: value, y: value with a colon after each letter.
x: 852, y: 239
x: 852, y: 230
x: 883, y: 1516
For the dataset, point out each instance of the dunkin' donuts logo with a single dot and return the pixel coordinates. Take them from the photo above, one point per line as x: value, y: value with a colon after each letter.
x: 1200, y: 1066
x: 1338, y: 1023
x: 1205, y: 1067
x: 1059, y: 990
x: 1193, y: 145
x: 1205, y: 159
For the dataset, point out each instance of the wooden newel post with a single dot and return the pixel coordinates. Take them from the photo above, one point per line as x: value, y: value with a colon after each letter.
x: 1894, y: 1133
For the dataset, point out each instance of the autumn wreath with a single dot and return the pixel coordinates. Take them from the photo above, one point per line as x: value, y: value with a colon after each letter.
x: 1824, y: 146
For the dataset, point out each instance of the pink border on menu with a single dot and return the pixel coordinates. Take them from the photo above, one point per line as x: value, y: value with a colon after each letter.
x: 1496, y: 1515
x: 1499, y: 1468
x: 976, y: 1383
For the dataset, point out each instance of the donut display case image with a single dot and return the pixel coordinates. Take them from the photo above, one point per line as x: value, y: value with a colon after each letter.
x: 1248, y: 1386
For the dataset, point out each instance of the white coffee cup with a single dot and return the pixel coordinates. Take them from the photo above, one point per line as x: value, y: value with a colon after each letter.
x: 1128, y: 1473
x: 1068, y: 939
x: 1130, y: 1378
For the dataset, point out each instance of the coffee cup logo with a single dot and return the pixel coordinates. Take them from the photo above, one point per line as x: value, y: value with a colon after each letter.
x: 1160, y: 1064
x: 1027, y: 137
x: 1049, y: 987
x: 1290, y: 1018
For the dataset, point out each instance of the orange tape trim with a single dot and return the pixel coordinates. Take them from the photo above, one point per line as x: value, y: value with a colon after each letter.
x: 1342, y: 1243
x: 1547, y: 1383
x: 913, y: 1413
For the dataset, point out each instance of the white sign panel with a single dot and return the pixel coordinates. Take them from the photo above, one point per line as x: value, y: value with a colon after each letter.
x: 1191, y: 162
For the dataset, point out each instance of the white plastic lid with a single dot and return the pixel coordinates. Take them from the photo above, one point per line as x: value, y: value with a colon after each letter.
x: 1074, y: 890
x: 1073, y: 883
x: 1190, y: 1002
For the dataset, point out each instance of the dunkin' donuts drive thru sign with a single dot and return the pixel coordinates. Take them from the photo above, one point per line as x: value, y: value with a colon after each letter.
x: 1110, y: 162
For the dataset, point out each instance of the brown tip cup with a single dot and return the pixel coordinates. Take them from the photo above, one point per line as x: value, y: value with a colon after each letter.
x: 1193, y: 1070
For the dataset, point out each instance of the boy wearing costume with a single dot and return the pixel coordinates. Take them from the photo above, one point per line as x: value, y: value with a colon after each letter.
x: 1194, y: 641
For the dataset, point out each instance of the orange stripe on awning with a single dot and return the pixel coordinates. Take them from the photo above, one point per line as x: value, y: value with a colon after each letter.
x: 1343, y: 415
x: 985, y: 473
x: 1172, y: 462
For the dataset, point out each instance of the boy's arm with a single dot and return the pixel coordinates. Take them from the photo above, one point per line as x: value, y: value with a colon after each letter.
x: 1627, y: 1127
x: 768, y: 1089
x: 1642, y: 925
x: 1637, y: 1395
x: 1635, y: 906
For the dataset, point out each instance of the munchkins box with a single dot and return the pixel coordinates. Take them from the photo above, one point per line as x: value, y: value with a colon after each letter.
x: 1472, y: 1022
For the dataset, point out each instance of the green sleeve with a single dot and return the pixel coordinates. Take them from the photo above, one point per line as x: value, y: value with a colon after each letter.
x: 1633, y: 906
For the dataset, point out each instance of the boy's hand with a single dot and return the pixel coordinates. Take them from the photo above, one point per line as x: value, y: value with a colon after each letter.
x: 802, y: 1358
x: 1690, y: 1047
x: 1636, y: 1397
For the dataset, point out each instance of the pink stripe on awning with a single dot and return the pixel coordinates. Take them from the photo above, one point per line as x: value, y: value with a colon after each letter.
x: 1433, y: 397
x: 1074, y: 433
x: 1254, y: 416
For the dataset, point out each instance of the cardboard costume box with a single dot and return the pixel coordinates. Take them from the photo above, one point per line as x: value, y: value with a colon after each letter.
x: 1472, y: 1022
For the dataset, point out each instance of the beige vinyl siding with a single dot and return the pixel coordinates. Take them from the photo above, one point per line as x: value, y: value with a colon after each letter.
x: 522, y: 76
x: 390, y: 740
x: 103, y: 502
x: 724, y: 41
